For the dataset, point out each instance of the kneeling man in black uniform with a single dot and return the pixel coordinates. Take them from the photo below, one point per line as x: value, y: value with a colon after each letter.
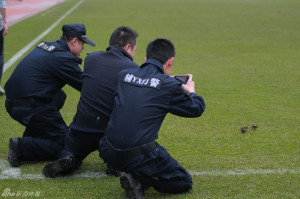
x: 34, y: 95
x: 100, y: 78
x: 143, y: 98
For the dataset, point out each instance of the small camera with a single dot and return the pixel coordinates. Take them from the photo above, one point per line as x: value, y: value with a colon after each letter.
x: 183, y: 79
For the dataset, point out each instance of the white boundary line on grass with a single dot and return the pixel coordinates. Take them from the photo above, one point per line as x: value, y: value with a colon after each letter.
x: 26, y: 48
x: 8, y: 172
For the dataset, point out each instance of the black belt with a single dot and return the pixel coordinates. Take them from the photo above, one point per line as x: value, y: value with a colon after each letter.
x: 32, y: 102
x: 134, y: 151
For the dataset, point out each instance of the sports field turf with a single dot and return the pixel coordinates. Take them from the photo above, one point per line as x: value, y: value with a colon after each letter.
x: 245, y: 58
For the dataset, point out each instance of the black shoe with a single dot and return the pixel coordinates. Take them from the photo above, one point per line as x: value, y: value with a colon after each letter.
x: 15, y: 152
x: 111, y: 171
x: 61, y: 167
x: 132, y: 185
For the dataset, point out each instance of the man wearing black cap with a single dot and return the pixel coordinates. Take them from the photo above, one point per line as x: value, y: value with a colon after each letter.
x: 34, y: 95
x: 96, y: 102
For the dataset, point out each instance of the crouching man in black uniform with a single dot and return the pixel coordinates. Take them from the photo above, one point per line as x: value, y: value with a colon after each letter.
x: 100, y: 77
x: 34, y: 95
x: 143, y: 98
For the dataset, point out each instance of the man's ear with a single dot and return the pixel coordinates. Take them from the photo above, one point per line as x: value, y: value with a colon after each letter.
x: 73, y: 41
x: 172, y: 58
x: 127, y: 47
x: 170, y: 61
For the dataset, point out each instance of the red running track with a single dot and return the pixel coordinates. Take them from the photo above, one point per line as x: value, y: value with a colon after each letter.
x: 17, y: 10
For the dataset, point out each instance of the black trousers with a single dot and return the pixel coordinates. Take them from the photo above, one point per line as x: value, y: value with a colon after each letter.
x: 45, y: 131
x: 155, y: 168
x: 79, y: 145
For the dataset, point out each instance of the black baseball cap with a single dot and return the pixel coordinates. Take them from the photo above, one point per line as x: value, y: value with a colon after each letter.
x: 76, y: 30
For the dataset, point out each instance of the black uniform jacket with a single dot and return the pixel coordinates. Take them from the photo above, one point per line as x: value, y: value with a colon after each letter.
x: 100, y: 77
x: 143, y: 98
x: 43, y: 72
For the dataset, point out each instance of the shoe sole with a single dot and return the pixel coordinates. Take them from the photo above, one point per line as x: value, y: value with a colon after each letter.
x: 125, y: 182
x: 130, y: 192
x: 12, y: 157
x: 53, y: 169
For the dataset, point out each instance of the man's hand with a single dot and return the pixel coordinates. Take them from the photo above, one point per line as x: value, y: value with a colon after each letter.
x: 189, y: 87
x: 5, y: 29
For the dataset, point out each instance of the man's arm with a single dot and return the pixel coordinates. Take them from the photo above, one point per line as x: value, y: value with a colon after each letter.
x: 66, y: 69
x: 71, y: 74
x: 185, y: 102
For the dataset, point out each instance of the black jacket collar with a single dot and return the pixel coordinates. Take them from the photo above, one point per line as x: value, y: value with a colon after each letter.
x: 64, y: 44
x: 119, y: 49
x: 155, y: 63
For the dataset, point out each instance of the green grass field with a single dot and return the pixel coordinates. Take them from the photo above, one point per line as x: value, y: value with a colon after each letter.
x: 245, y: 58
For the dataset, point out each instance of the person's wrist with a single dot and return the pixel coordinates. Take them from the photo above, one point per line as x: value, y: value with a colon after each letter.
x: 192, y: 91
